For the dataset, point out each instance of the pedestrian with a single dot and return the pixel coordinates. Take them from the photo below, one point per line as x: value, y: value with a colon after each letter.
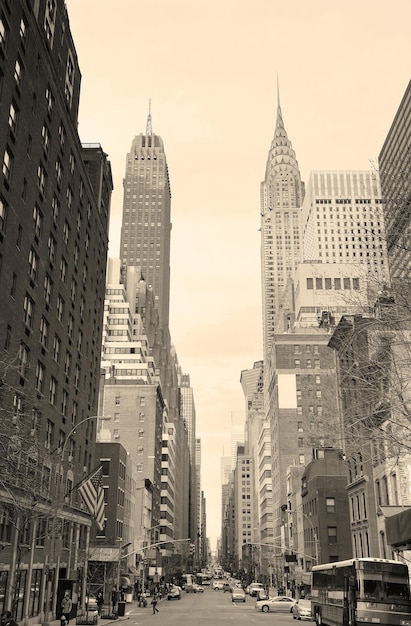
x: 100, y: 601
x: 7, y: 620
x: 154, y: 603
x: 66, y: 606
x: 114, y: 598
x: 142, y: 601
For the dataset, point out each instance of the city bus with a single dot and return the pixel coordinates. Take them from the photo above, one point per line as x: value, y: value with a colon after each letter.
x: 361, y: 591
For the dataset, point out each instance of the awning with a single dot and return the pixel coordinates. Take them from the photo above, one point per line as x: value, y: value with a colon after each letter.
x: 398, y: 528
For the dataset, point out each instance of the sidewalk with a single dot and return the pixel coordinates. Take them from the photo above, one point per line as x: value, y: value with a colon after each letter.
x: 130, y: 606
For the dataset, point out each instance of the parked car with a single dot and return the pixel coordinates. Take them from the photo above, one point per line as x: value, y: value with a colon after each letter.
x: 302, y: 609
x: 174, y: 593
x: 277, y: 604
x: 198, y: 588
x: 238, y: 595
x: 253, y: 588
x: 218, y: 585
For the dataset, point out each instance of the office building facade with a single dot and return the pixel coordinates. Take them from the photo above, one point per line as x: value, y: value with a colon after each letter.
x: 282, y: 193
x: 54, y: 213
x: 394, y: 168
x: 146, y: 224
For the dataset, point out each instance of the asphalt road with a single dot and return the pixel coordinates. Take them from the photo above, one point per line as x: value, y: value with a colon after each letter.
x: 211, y: 608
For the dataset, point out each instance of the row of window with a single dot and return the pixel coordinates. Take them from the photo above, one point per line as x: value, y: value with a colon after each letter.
x: 336, y: 283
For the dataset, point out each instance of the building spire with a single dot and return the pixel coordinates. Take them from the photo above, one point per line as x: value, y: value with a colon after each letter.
x: 149, y: 128
x: 279, y: 113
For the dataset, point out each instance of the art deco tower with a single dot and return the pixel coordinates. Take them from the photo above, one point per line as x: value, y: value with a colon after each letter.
x: 282, y: 194
x: 146, y: 226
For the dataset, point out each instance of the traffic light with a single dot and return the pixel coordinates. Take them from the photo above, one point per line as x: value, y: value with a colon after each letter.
x: 192, y: 548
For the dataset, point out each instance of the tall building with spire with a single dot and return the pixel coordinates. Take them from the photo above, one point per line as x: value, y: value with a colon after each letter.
x: 282, y: 193
x: 146, y: 225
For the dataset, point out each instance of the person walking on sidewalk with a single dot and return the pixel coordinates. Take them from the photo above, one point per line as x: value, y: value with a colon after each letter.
x: 66, y: 606
x: 154, y: 603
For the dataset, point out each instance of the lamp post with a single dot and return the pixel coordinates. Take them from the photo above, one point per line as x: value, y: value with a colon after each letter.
x: 154, y: 545
x: 56, y: 550
x: 315, y: 536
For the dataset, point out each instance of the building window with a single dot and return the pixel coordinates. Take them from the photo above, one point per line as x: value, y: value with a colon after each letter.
x: 310, y: 283
x: 330, y: 504
x: 3, y: 33
x: 40, y: 377
x: 48, y: 286
x: 13, y: 117
x: 24, y: 358
x: 3, y: 214
x: 64, y: 403
x: 18, y: 73
x: 7, y: 164
x: 44, y: 329
x: 117, y: 400
x: 53, y: 391
x: 332, y: 535
x: 28, y: 307
x: 33, y: 262
x: 60, y: 308
x: 318, y: 283
x: 37, y: 221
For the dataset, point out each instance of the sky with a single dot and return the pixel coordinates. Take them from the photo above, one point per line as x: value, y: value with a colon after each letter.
x: 210, y: 69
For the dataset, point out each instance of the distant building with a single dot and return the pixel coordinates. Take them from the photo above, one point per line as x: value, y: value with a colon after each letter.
x: 282, y: 194
x: 343, y: 221
x: 146, y: 225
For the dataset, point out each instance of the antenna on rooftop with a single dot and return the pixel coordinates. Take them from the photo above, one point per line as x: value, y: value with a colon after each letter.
x: 149, y: 128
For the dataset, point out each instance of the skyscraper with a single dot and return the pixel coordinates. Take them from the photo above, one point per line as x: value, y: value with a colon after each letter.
x: 395, y: 166
x: 282, y: 194
x: 343, y: 221
x: 54, y: 213
x: 146, y: 225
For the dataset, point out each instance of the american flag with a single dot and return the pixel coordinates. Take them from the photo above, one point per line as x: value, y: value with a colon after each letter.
x: 92, y: 492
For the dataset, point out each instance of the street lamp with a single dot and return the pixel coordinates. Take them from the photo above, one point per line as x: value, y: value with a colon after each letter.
x: 153, y: 545
x: 62, y: 448
x: 55, y: 550
x: 315, y: 536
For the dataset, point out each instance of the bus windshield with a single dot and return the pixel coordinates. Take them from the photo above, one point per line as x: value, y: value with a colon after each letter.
x: 386, y: 586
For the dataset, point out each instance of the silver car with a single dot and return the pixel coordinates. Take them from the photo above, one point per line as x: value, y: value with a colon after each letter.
x: 277, y: 604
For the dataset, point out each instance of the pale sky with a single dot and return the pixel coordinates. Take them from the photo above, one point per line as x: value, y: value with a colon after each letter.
x: 210, y: 69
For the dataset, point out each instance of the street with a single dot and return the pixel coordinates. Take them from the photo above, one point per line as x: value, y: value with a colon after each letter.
x: 211, y: 608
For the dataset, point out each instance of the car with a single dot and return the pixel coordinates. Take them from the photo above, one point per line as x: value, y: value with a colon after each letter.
x: 226, y: 587
x: 198, y: 588
x: 218, y: 585
x: 238, y: 595
x: 190, y: 588
x: 174, y: 593
x: 253, y: 588
x: 277, y: 604
x: 302, y: 609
